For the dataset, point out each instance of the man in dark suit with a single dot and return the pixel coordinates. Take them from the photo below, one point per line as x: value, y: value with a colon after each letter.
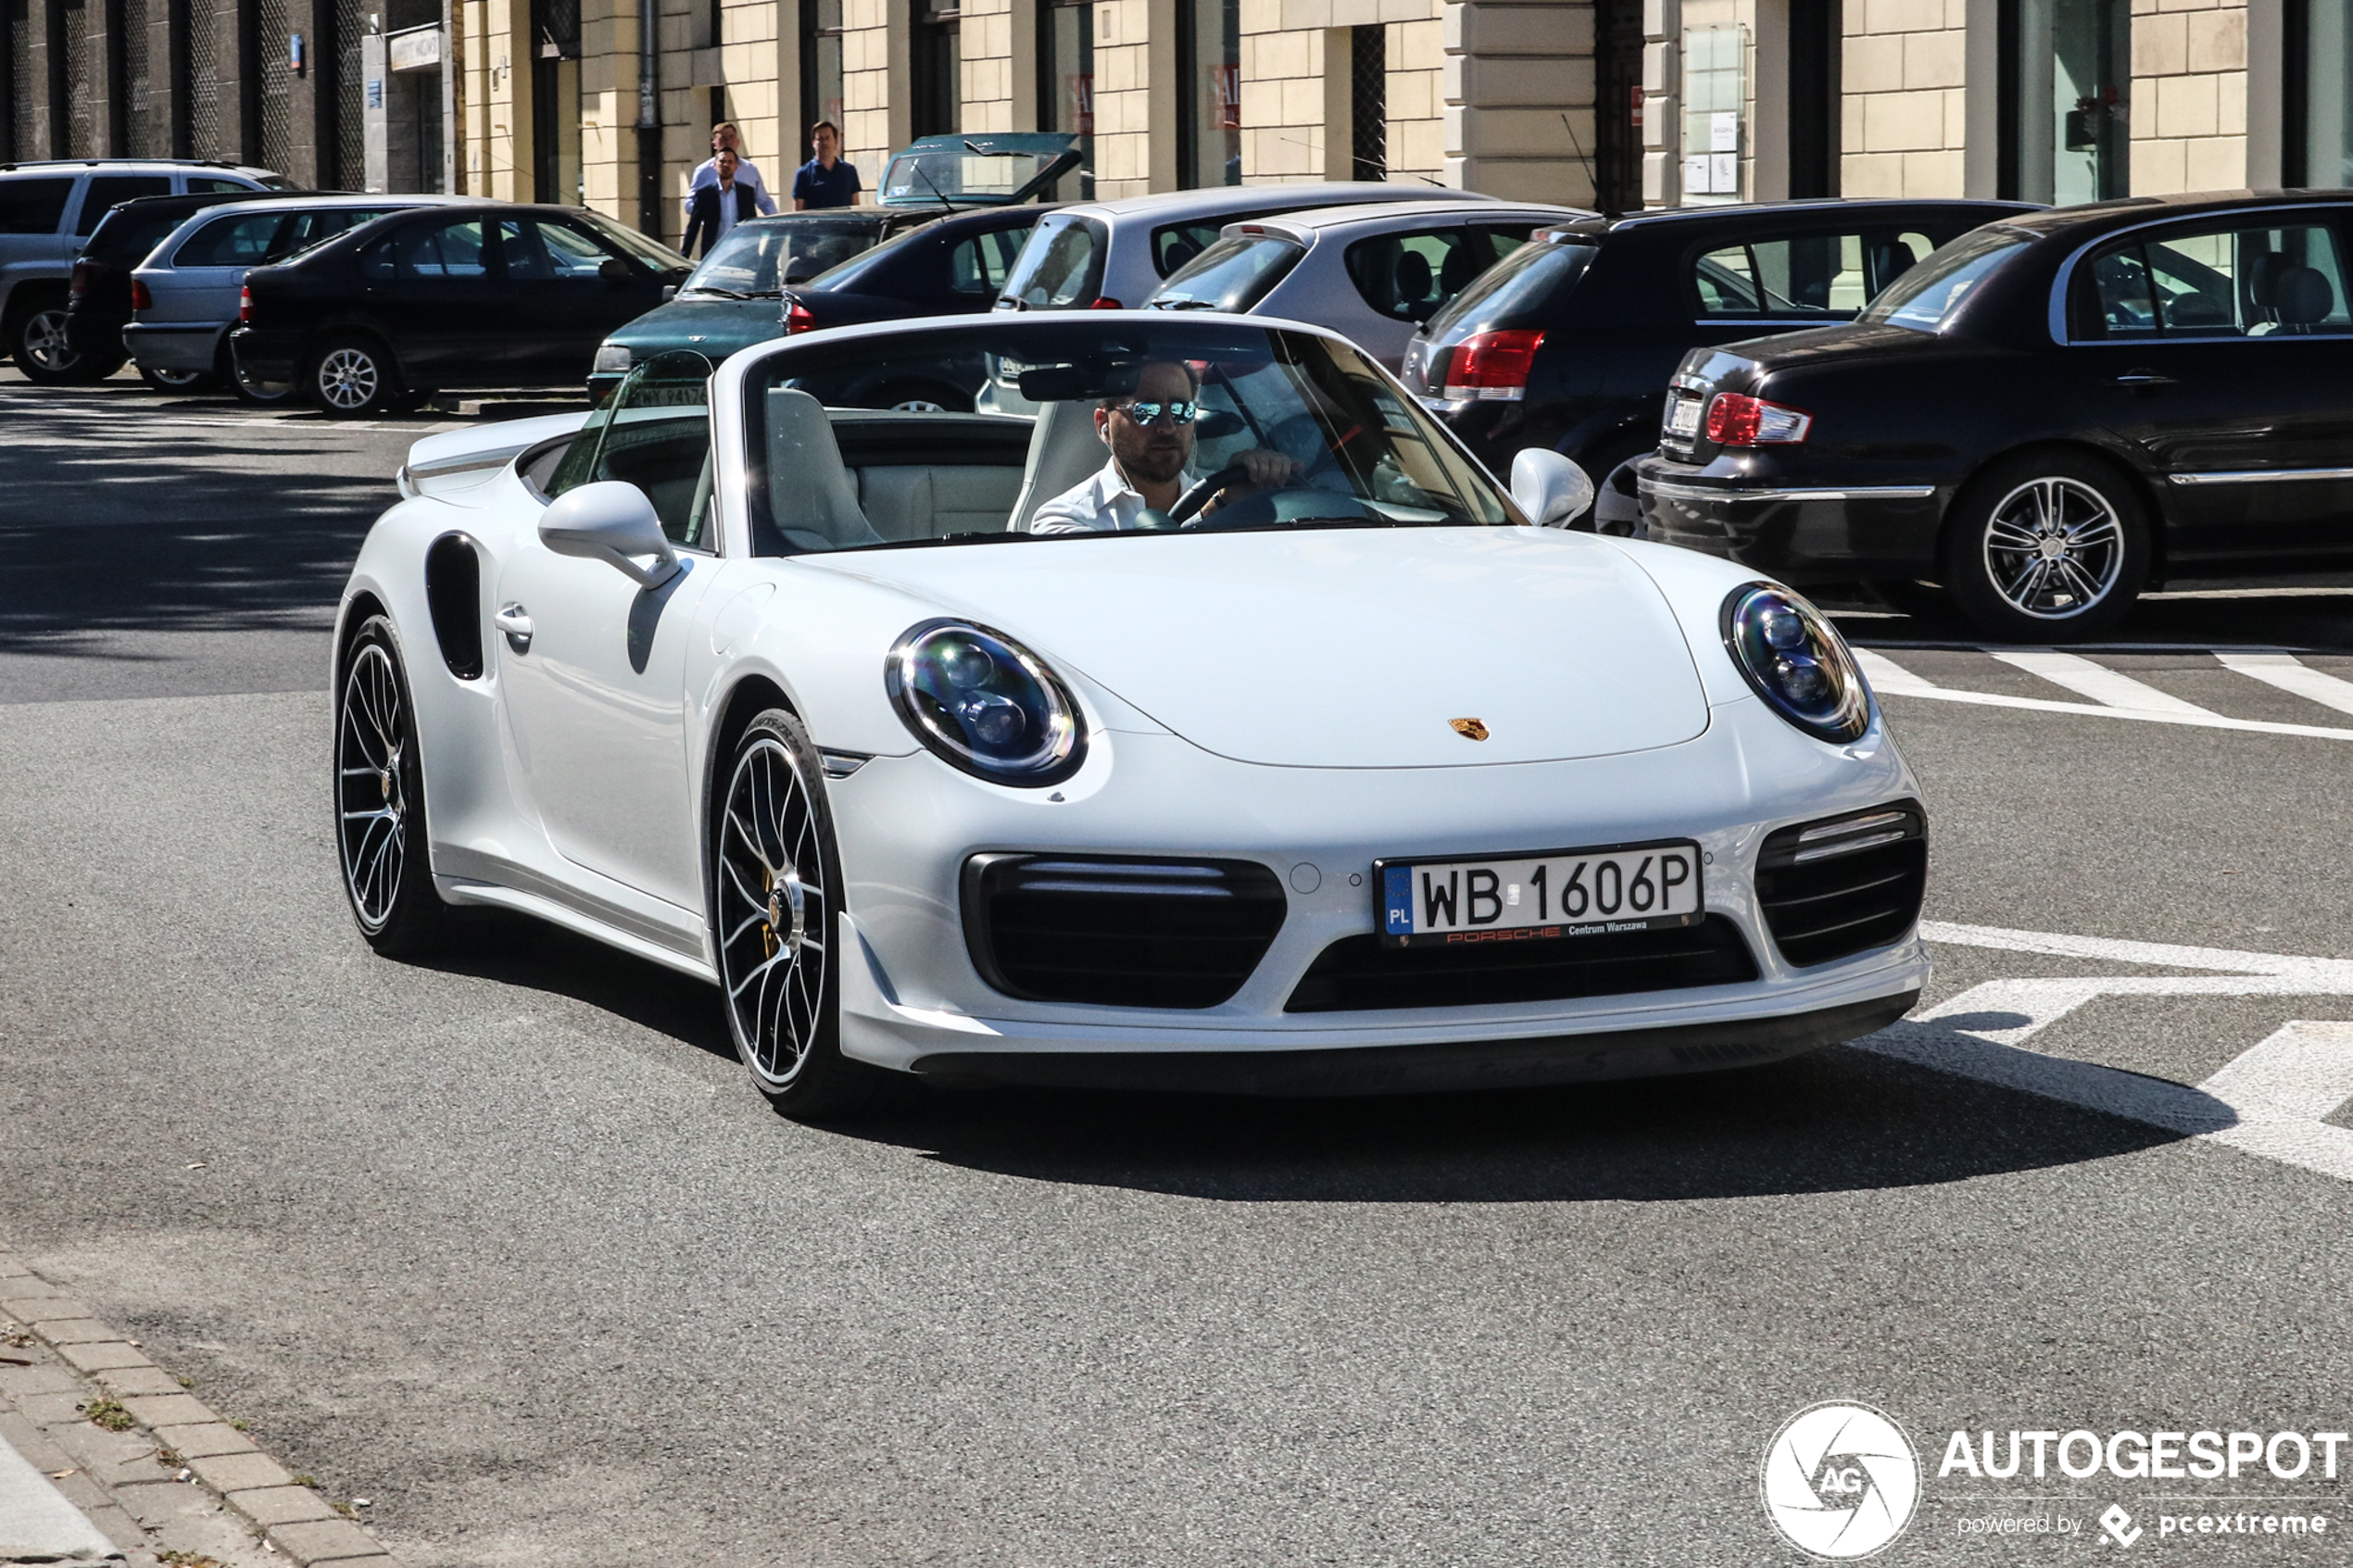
x: 719, y: 208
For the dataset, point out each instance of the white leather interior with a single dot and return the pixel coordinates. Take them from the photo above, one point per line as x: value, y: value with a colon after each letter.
x: 811, y: 494
x: 916, y: 501
x: 1064, y: 450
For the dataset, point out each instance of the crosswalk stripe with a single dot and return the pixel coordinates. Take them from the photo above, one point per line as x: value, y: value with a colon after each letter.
x: 2096, y: 681
x: 1890, y: 679
x: 2290, y: 674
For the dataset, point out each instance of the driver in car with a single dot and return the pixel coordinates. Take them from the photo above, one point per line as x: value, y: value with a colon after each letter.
x: 1150, y: 433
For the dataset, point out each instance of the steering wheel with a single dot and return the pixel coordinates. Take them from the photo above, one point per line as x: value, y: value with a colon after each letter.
x: 1204, y: 491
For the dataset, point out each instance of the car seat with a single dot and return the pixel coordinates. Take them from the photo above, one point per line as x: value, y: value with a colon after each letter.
x: 809, y: 492
x: 2305, y: 298
x: 1412, y: 281
x: 1064, y: 450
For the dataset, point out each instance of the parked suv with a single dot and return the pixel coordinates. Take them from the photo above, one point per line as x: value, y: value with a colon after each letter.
x: 1566, y: 345
x: 47, y: 210
x: 185, y: 292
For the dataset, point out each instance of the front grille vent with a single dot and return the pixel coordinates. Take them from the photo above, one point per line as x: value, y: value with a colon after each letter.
x: 1118, y: 931
x: 1844, y: 884
x: 1356, y: 973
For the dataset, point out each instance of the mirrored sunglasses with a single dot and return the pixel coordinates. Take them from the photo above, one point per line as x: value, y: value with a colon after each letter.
x: 1145, y: 413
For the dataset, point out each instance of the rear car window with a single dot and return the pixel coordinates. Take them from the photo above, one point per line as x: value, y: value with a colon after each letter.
x: 1926, y: 297
x: 1409, y: 277
x: 2220, y: 282
x: 1524, y: 286
x: 232, y: 242
x: 1174, y: 245
x: 1233, y: 274
x: 106, y: 189
x: 1061, y: 267
x: 981, y: 264
x: 1799, y: 277
x: 33, y: 206
x: 206, y: 184
x: 124, y: 238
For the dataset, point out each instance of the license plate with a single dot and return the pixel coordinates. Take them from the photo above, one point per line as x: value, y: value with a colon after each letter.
x: 1684, y: 420
x: 1533, y: 898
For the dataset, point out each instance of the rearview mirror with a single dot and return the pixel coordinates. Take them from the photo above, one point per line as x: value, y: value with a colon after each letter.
x: 611, y: 521
x: 1549, y: 488
x: 669, y: 292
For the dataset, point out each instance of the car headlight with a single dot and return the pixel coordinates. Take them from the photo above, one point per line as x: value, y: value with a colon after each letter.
x: 612, y: 360
x: 1797, y: 661
x: 984, y: 703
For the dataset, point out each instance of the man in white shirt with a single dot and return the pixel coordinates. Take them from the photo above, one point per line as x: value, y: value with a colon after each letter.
x: 725, y: 135
x: 1150, y: 433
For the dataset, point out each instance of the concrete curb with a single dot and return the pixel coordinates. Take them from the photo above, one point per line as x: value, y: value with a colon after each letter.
x: 297, y: 1522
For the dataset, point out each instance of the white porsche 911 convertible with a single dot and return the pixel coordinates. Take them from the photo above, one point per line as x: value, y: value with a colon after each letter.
x: 1112, y: 699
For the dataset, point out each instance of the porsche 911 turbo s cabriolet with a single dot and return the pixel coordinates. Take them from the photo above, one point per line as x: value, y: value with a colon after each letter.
x: 1213, y: 723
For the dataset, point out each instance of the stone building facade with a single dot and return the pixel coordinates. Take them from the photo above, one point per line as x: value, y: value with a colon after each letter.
x: 1621, y: 104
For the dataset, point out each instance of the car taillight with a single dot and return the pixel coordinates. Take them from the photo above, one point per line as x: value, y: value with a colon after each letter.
x: 140, y: 298
x: 1105, y: 302
x: 1489, y: 365
x: 244, y: 307
x: 1734, y: 419
x: 80, y: 278
x: 797, y: 319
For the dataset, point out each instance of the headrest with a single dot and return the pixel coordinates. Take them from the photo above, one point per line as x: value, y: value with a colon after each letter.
x: 2305, y: 296
x: 809, y: 492
x: 1413, y: 277
x: 1458, y: 271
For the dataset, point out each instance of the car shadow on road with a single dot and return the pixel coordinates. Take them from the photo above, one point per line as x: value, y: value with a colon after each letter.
x: 1837, y: 1120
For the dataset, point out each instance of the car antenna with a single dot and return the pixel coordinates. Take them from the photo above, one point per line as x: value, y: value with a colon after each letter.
x: 1592, y: 174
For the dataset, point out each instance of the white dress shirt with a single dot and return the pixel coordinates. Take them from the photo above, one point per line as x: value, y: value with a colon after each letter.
x: 1104, y: 502
x: 746, y: 174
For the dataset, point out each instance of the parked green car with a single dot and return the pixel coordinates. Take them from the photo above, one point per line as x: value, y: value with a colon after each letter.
x: 734, y: 298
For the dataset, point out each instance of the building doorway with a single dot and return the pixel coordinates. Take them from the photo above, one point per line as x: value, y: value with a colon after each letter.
x: 2069, y: 74
x: 1616, y: 153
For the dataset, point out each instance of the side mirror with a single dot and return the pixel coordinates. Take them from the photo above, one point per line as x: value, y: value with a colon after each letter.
x: 1549, y: 488
x: 614, y: 271
x: 611, y: 521
x: 669, y: 292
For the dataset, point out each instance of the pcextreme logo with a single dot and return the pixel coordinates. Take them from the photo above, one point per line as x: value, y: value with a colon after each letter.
x: 1841, y: 1480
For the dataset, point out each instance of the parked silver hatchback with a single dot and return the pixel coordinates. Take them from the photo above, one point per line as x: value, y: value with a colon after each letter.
x: 184, y: 297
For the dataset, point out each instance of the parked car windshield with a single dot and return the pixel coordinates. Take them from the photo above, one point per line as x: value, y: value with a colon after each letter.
x: 1061, y: 267
x: 653, y: 253
x: 1515, y: 288
x: 758, y: 260
x: 1925, y: 297
x: 1233, y: 274
x: 895, y: 439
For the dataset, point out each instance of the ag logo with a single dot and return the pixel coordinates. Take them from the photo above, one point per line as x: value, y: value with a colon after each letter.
x: 1839, y: 1480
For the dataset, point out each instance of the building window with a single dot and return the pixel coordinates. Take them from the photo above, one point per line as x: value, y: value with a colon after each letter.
x: 1618, y: 113
x: 1368, y: 103
x: 1714, y: 98
x: 81, y: 135
x: 1209, y: 70
x: 2069, y: 65
x: 558, y: 174
x: 820, y: 64
x: 1066, y: 84
x: 937, y: 59
x: 1816, y: 44
x: 2317, y: 148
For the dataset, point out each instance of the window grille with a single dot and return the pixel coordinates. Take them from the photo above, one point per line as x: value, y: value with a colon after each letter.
x: 81, y: 135
x: 275, y: 19
x: 1369, y: 102
x: 350, y: 89
x: 141, y: 125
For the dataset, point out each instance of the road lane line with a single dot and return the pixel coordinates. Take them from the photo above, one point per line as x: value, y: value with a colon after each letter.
x: 2303, y: 1072
x: 2167, y: 955
x: 1886, y: 675
x: 2290, y: 674
x: 2096, y: 681
x: 2142, y: 715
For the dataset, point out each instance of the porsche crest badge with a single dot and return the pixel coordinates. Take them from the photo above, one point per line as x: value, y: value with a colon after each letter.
x: 1469, y: 729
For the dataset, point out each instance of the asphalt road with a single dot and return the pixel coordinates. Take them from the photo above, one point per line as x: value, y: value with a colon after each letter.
x: 506, y: 1245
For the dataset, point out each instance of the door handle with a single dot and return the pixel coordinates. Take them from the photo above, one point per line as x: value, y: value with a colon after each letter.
x: 511, y: 620
x: 2142, y: 378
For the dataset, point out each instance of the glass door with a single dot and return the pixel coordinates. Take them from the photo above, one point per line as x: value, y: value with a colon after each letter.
x: 2072, y: 70
x: 1067, y: 86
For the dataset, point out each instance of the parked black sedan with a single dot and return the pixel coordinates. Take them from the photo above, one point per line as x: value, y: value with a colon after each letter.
x: 2052, y: 413
x: 950, y: 266
x: 490, y: 296
x: 1567, y: 342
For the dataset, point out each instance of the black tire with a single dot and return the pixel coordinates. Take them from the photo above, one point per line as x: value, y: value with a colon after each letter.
x: 37, y: 342
x: 182, y: 382
x: 925, y: 397
x: 2047, y: 547
x: 1616, y: 511
x: 381, y: 834
x: 350, y: 377
x: 771, y: 827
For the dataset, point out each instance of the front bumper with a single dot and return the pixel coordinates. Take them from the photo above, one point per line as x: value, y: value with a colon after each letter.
x: 1796, y: 531
x: 178, y: 346
x: 912, y: 998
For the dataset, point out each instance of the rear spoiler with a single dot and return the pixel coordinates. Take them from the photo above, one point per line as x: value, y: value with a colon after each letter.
x: 459, y: 459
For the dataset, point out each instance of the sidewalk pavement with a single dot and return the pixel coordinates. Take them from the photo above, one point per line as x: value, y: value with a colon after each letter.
x: 104, y: 1456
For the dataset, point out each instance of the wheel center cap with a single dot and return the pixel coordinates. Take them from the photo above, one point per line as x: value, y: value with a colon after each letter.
x: 2053, y: 547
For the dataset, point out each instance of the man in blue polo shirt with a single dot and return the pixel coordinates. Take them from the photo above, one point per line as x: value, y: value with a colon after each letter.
x: 825, y: 180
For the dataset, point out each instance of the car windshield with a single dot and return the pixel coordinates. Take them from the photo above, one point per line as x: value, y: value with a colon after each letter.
x: 1925, y: 297
x: 653, y: 253
x: 972, y: 173
x: 758, y: 260
x: 903, y: 440
x: 1233, y: 274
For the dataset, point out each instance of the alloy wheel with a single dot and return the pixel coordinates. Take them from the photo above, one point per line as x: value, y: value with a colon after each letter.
x: 45, y: 341
x: 371, y: 786
x: 348, y: 378
x: 774, y: 918
x: 2054, y: 548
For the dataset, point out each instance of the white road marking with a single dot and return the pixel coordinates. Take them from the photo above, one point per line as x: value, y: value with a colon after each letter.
x: 2292, y: 675
x: 2096, y: 681
x: 2269, y: 1101
x: 1891, y: 679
